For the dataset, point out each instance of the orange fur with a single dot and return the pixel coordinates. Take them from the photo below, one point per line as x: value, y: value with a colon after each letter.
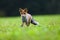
x: 23, y: 10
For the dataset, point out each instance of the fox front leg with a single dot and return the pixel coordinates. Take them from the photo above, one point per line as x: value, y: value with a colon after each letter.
x: 22, y: 24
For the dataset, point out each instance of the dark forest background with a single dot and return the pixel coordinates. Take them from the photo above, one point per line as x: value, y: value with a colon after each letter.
x: 35, y: 7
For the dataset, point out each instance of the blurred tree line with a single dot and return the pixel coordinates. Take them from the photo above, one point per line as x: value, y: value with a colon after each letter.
x: 11, y: 7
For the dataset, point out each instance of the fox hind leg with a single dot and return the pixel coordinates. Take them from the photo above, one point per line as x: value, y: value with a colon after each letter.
x: 28, y: 22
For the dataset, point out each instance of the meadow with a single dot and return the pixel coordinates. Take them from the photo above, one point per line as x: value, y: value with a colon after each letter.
x: 49, y: 28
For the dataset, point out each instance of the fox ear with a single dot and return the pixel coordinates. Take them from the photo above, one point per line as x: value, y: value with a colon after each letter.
x: 26, y: 10
x: 20, y: 9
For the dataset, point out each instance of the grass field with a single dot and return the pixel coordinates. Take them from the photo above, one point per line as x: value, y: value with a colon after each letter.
x: 49, y: 28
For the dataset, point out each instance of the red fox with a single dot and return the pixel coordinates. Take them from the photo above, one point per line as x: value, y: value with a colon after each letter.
x: 26, y: 17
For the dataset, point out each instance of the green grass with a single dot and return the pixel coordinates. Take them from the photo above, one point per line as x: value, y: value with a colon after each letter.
x: 49, y: 28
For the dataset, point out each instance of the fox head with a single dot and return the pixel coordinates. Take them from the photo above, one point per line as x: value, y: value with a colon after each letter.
x: 23, y: 11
